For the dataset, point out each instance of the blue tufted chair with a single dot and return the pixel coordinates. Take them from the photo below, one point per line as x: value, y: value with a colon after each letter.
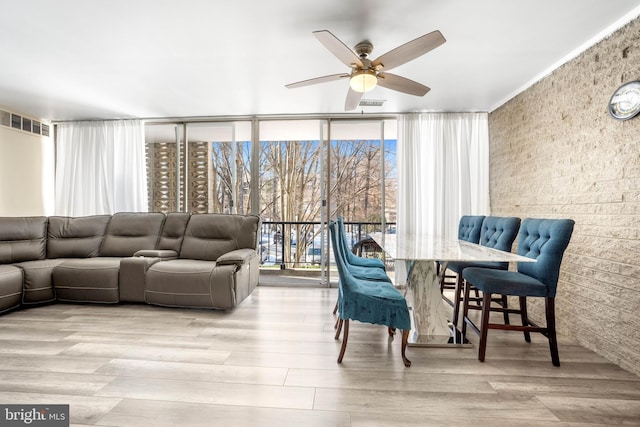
x: 376, y: 302
x: 469, y: 228
x: 542, y: 239
x: 498, y: 233
x: 350, y: 257
x: 361, y: 268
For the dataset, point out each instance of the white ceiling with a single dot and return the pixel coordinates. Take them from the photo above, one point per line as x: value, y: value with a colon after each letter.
x: 78, y: 59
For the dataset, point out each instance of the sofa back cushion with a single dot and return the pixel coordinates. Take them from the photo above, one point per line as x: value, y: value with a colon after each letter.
x: 22, y: 238
x: 173, y: 231
x: 81, y: 237
x: 130, y: 232
x: 210, y: 235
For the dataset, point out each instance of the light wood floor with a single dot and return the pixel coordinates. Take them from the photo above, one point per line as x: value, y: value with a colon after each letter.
x: 272, y: 362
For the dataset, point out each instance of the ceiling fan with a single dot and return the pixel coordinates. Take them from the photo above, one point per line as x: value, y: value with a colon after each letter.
x: 366, y: 74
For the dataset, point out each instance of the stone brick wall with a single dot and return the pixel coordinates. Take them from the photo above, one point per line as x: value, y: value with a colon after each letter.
x: 555, y: 152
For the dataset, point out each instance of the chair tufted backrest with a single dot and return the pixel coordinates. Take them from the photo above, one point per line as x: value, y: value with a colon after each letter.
x: 469, y: 228
x: 546, y: 241
x: 499, y: 232
x: 342, y: 240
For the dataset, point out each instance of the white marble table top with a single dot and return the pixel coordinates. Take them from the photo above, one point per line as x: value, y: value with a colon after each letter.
x: 432, y: 248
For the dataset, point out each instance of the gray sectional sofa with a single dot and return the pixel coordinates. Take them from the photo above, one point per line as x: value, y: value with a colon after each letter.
x: 175, y: 259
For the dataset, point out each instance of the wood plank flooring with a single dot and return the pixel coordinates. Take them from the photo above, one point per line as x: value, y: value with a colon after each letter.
x: 272, y: 362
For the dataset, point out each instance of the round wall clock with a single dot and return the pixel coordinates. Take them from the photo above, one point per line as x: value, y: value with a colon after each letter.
x: 625, y: 101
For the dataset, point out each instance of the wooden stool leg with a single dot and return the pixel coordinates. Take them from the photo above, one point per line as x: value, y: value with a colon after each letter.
x: 505, y: 305
x: 338, y: 328
x: 345, y: 336
x: 405, y: 339
x: 465, y: 308
x: 456, y: 300
x: 486, y: 311
x: 551, y: 330
x: 525, y: 317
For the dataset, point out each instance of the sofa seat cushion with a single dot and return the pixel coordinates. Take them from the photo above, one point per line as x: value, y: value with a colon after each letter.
x: 191, y: 283
x: 87, y: 280
x: 10, y: 287
x: 38, y: 283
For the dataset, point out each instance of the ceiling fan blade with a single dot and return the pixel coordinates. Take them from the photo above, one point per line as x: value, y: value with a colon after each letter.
x: 339, y: 49
x: 408, y: 51
x: 317, y: 80
x: 401, y: 84
x: 353, y: 99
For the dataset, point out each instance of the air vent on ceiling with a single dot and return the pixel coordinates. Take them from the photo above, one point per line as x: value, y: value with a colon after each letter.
x: 25, y: 124
x: 371, y: 102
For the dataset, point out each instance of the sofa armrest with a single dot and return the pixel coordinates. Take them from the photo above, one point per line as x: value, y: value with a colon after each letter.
x: 157, y: 253
x: 131, y: 278
x: 239, y: 256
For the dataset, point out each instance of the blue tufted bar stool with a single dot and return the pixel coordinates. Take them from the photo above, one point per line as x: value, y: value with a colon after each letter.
x: 544, y: 240
x: 497, y: 233
x: 469, y: 228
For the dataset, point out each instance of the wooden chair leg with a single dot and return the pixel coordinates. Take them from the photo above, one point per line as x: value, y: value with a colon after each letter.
x: 335, y: 309
x: 486, y: 311
x: 465, y: 309
x: 345, y: 336
x: 525, y: 317
x: 456, y: 300
x: 551, y: 330
x: 338, y: 328
x: 505, y: 305
x: 392, y: 331
x: 405, y: 339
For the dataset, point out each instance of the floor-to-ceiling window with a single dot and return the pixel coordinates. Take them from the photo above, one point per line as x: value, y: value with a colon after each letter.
x: 294, y: 173
x: 209, y: 173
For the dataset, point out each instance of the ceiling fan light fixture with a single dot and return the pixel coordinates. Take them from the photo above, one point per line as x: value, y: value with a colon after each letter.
x: 363, y: 81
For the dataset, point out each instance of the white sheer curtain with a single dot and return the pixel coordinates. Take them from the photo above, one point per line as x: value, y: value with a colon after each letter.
x: 100, y: 168
x: 443, y: 171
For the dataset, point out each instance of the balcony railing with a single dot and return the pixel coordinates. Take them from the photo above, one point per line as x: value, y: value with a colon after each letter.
x: 301, y: 244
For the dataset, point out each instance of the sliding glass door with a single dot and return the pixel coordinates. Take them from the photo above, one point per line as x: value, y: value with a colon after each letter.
x: 291, y: 170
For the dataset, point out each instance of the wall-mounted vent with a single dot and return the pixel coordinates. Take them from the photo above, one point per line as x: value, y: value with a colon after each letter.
x: 16, y: 121
x: 5, y: 118
x: 25, y: 124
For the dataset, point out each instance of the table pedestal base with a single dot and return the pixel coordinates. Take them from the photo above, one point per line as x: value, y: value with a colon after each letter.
x: 430, y: 327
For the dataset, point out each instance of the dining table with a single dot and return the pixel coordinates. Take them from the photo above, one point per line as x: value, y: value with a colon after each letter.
x: 421, y: 253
